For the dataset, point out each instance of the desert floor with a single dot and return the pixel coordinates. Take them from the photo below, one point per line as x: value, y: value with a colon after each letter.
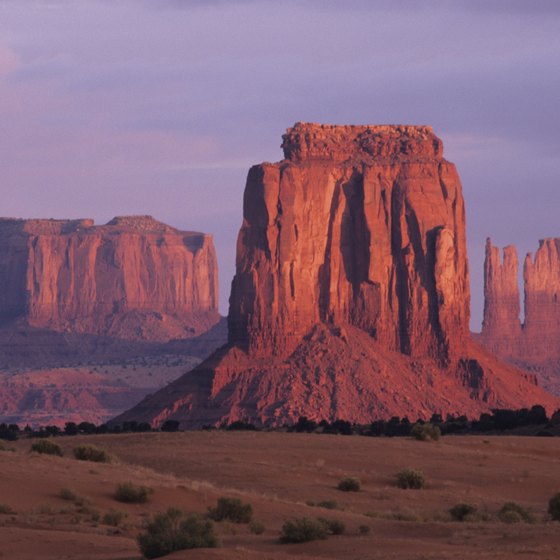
x: 280, y: 475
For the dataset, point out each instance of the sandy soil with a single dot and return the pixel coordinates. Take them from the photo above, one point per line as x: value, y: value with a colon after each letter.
x: 280, y: 474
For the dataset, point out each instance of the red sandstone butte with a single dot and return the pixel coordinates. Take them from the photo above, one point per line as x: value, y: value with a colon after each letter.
x: 535, y: 344
x: 351, y: 293
x: 133, y: 278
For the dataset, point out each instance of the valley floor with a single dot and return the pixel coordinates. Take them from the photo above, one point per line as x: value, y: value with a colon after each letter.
x: 281, y: 475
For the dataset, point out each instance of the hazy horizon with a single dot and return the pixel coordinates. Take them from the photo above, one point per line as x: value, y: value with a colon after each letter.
x: 138, y: 107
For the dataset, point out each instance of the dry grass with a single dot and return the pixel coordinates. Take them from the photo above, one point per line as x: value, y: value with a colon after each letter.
x: 277, y: 473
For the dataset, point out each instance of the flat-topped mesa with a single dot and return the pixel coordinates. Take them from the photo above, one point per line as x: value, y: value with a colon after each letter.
x: 133, y: 277
x: 351, y: 294
x: 359, y: 224
x: 390, y: 143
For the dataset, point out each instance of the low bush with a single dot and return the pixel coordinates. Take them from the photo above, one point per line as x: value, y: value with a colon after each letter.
x: 364, y: 530
x: 554, y: 507
x: 464, y: 512
x: 46, y: 447
x: 256, y: 527
x: 6, y: 509
x: 334, y: 526
x: 350, y: 484
x: 425, y: 432
x: 302, y: 530
x: 512, y: 512
x: 173, y: 530
x: 68, y: 494
x: 114, y: 518
x: 129, y: 493
x: 327, y: 504
x: 411, y: 479
x: 92, y: 453
x: 231, y: 509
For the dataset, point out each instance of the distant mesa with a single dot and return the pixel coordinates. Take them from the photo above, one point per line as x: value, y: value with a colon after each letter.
x: 351, y: 294
x: 535, y: 342
x: 133, y: 278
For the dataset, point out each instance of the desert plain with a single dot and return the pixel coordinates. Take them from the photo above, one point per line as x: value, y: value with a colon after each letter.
x: 284, y: 476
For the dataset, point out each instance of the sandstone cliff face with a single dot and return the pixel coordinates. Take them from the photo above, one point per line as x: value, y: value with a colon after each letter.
x: 362, y: 225
x: 132, y: 278
x: 351, y: 297
x: 535, y: 344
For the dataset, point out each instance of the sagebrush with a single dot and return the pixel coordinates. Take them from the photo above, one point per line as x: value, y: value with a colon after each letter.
x: 173, y: 530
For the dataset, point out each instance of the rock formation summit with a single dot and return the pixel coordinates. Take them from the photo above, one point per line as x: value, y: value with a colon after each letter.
x: 351, y: 293
x: 134, y: 278
x: 535, y: 343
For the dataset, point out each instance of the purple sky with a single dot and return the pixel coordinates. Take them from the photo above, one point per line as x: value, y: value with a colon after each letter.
x: 159, y: 107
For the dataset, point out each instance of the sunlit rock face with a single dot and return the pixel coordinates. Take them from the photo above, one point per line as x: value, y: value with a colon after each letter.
x: 133, y: 278
x: 360, y: 225
x: 535, y: 342
x: 351, y: 294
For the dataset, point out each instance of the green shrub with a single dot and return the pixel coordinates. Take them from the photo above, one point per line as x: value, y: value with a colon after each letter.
x: 334, y: 526
x: 425, y: 432
x: 554, y: 507
x: 411, y: 479
x: 92, y: 453
x: 327, y: 504
x: 256, y: 527
x: 172, y: 530
x: 129, y: 493
x: 512, y: 512
x: 68, y: 494
x: 302, y: 530
x: 350, y: 484
x: 231, y: 509
x: 6, y: 509
x: 46, y: 447
x: 114, y: 518
x: 364, y: 530
x: 464, y: 512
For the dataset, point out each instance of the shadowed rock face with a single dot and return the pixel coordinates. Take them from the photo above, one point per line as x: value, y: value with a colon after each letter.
x: 351, y: 297
x: 133, y: 278
x: 362, y: 225
x: 535, y: 343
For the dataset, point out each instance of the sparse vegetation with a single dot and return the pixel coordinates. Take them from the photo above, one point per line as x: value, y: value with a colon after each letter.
x: 411, y: 479
x: 327, y: 504
x: 512, y: 512
x: 350, y: 484
x: 464, y: 512
x: 68, y: 494
x: 554, y: 507
x: 46, y: 447
x: 231, y: 509
x: 114, y: 518
x: 256, y: 527
x: 92, y: 453
x: 302, y: 530
x: 364, y: 530
x: 172, y: 530
x: 425, y: 432
x: 334, y: 526
x: 129, y: 493
x: 6, y: 509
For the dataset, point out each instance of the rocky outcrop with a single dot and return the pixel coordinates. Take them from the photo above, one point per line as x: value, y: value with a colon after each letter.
x: 360, y: 225
x: 133, y: 278
x: 535, y: 343
x: 351, y: 293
